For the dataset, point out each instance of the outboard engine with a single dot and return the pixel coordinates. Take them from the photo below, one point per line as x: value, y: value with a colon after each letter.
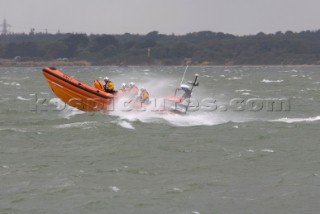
x: 187, y: 91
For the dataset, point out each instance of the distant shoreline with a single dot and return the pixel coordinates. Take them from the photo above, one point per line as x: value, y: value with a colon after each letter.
x: 75, y: 63
x: 49, y: 63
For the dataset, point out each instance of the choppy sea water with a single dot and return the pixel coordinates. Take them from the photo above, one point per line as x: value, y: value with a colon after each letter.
x: 238, y: 156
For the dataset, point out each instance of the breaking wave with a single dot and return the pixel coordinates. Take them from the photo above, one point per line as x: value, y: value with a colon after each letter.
x: 271, y: 81
x: 297, y: 120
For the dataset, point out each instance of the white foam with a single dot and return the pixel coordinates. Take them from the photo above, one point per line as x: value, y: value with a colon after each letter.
x: 190, y: 119
x: 66, y: 111
x: 296, y: 120
x: 126, y: 119
x: 288, y: 71
x: 234, y: 78
x: 55, y: 101
x: 176, y: 189
x: 125, y: 124
x: 114, y: 188
x: 12, y: 83
x: 267, y: 150
x: 243, y: 90
x: 271, y: 81
x: 23, y: 99
x: 76, y: 124
x: 70, y: 112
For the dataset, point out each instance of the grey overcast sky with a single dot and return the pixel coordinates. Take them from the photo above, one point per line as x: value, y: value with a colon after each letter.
x: 239, y: 17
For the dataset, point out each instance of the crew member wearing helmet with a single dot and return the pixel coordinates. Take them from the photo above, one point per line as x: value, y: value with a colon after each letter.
x: 144, y: 96
x: 109, y: 86
x: 124, y: 89
x: 133, y: 89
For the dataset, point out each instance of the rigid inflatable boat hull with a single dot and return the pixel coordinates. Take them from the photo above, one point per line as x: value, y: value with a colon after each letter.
x: 77, y: 94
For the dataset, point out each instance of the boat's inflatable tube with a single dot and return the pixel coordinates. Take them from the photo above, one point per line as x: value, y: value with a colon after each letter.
x: 77, y: 94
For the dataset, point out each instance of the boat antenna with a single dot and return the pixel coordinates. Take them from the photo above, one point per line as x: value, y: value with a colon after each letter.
x: 184, y: 73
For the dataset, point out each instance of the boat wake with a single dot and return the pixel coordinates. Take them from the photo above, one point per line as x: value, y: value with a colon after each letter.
x: 192, y: 119
x: 297, y: 120
x: 128, y: 119
x: 65, y: 111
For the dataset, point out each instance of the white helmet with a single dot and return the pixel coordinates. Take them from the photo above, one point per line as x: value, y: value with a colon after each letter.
x: 106, y: 79
x: 185, y: 87
x: 132, y: 84
x: 124, y: 85
x: 142, y: 88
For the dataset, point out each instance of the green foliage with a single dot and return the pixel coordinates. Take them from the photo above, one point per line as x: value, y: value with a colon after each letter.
x: 1, y: 50
x: 101, y: 42
x: 56, y: 50
x: 25, y: 49
x: 76, y: 40
x: 203, y: 47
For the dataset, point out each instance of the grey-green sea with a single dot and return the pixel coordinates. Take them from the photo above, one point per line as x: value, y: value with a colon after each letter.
x: 251, y: 146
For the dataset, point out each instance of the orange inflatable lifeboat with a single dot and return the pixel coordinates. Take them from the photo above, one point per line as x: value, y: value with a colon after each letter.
x: 77, y: 94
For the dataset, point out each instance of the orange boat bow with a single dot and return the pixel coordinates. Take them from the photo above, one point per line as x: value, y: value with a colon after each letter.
x: 77, y: 94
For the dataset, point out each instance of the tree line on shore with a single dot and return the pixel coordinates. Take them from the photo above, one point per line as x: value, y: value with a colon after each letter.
x: 199, y: 48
